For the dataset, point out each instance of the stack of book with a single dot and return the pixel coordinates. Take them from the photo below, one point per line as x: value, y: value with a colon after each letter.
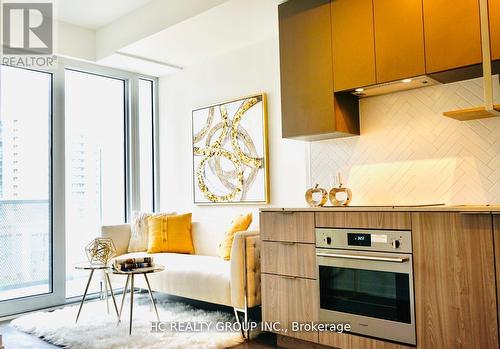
x: 133, y: 264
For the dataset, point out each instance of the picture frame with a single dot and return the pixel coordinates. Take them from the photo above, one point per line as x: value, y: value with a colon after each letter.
x: 230, y: 152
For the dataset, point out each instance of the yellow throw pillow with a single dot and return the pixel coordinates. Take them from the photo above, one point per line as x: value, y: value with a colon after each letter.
x: 170, y: 233
x: 241, y: 223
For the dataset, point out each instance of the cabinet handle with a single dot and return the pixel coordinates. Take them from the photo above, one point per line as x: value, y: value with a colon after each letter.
x: 364, y: 257
x: 290, y: 243
x: 289, y: 277
x: 286, y: 212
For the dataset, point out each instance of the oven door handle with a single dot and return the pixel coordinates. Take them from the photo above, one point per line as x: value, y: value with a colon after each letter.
x: 364, y: 257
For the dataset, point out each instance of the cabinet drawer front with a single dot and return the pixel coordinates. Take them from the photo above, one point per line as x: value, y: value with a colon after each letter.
x: 287, y: 226
x: 291, y: 259
x: 286, y: 300
x: 368, y: 220
x: 351, y: 341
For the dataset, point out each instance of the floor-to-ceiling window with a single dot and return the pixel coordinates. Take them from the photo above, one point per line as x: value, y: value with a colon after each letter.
x: 25, y: 183
x: 146, y: 144
x: 95, y: 164
x: 73, y: 143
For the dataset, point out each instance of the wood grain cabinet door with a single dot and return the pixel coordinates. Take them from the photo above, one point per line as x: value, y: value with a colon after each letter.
x: 494, y: 11
x: 288, y: 299
x: 287, y: 226
x: 353, y: 44
x: 399, y: 39
x: 454, y: 274
x: 496, y: 238
x: 452, y: 34
x: 306, y: 68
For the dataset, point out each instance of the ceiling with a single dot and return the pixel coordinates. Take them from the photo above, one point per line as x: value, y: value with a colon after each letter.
x: 188, y: 33
x: 229, y: 26
x: 94, y: 14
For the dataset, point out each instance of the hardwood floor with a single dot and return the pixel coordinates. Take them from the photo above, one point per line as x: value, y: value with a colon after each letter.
x: 263, y: 341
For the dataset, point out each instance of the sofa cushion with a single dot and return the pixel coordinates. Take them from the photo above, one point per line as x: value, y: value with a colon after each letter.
x: 139, y: 230
x: 205, y: 278
x: 170, y: 234
x: 240, y: 223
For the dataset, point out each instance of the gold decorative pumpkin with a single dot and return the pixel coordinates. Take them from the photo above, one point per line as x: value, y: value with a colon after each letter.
x: 312, y: 192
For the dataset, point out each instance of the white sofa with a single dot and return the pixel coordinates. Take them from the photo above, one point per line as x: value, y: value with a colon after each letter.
x: 234, y: 283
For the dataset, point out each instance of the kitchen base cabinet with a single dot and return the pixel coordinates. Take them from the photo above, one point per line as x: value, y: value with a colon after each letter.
x: 454, y: 274
x: 351, y: 341
x: 288, y: 299
x: 496, y: 240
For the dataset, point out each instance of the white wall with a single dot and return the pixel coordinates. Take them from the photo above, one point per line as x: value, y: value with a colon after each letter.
x: 74, y: 41
x: 409, y: 153
x: 250, y: 70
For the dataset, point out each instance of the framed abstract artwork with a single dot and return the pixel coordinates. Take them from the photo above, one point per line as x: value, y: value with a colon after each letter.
x: 230, y: 155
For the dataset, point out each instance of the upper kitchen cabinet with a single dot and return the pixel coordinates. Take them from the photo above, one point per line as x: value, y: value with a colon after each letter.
x: 309, y: 108
x: 399, y: 39
x: 452, y: 34
x: 494, y: 11
x: 353, y: 44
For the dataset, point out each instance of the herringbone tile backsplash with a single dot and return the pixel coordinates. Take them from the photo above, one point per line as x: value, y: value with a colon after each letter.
x: 408, y: 153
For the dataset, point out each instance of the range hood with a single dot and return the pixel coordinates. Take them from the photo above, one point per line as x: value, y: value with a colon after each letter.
x: 395, y: 86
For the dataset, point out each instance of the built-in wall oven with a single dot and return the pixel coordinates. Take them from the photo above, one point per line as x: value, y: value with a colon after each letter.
x: 365, y: 278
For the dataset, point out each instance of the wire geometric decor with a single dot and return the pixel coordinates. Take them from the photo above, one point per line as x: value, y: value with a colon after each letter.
x: 100, y: 251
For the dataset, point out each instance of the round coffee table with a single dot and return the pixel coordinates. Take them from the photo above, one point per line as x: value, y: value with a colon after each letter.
x: 93, y: 268
x: 130, y: 279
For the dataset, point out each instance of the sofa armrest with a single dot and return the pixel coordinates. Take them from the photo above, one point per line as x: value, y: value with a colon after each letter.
x: 246, y: 243
x: 120, y: 234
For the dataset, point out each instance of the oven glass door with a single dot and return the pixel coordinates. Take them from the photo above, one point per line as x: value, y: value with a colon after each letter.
x: 372, y: 293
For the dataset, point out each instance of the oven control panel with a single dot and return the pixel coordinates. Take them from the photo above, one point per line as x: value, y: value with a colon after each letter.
x: 364, y: 239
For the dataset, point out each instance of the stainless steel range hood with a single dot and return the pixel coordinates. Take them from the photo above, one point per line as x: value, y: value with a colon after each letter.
x: 395, y: 86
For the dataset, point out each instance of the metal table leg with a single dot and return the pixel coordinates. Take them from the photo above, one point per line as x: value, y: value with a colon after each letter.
x: 123, y: 298
x: 106, y: 291
x: 112, y: 295
x: 151, y: 297
x: 131, y: 304
x: 84, y: 294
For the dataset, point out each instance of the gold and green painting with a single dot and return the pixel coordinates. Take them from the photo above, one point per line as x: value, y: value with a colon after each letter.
x: 230, y: 162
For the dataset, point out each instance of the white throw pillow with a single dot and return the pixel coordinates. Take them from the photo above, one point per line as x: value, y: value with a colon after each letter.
x: 139, y: 231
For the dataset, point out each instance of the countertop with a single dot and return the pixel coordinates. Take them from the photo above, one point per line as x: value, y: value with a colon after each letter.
x: 487, y: 209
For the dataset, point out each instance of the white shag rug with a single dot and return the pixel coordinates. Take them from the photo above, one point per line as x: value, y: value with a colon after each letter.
x: 98, y: 330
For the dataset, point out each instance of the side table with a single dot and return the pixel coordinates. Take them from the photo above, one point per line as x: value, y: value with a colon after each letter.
x: 93, y: 268
x: 130, y: 279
